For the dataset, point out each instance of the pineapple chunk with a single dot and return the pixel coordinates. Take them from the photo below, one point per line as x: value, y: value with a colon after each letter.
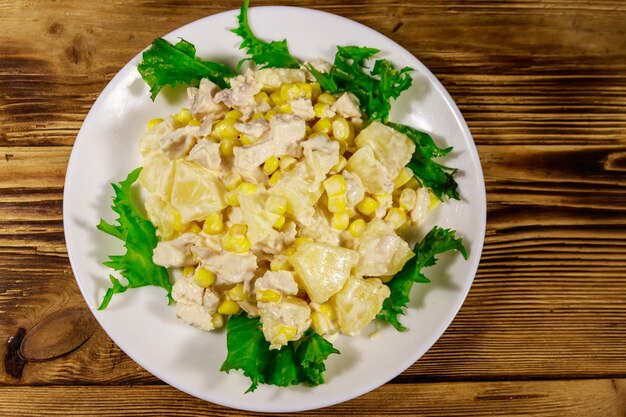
x: 285, y: 320
x: 370, y: 171
x: 358, y: 303
x: 300, y: 193
x: 321, y: 155
x: 392, y: 148
x: 322, y: 269
x: 381, y: 250
x: 258, y: 219
x: 157, y: 210
x: 157, y: 175
x: 196, y: 192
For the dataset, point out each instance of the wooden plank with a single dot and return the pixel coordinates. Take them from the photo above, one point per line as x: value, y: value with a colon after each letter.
x: 590, y: 398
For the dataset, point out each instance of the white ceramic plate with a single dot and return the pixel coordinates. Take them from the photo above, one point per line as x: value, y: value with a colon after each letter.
x: 142, y: 324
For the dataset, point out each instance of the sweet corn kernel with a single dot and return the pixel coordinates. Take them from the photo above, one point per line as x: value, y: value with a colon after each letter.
x: 290, y: 250
x: 279, y: 264
x: 226, y: 146
x: 174, y: 218
x: 218, y: 320
x: 357, y: 227
x: 328, y: 311
x: 340, y: 220
x: 337, y: 203
x: 247, y: 188
x: 154, y: 123
x: 188, y: 270
x: 300, y: 240
x: 413, y: 183
x: 232, y: 199
x: 320, y: 109
x: 434, y: 201
x: 257, y: 116
x: 275, y: 177
x: 267, y: 296
x: 367, y: 206
x: 193, y: 228
x: 289, y: 332
x: 276, y: 204
x: 403, y: 177
x: 276, y: 99
x: 335, y: 185
x: 238, y: 229
x: 326, y: 98
x: 245, y: 139
x: 226, y: 129
x: 236, y: 243
x: 228, y: 307
x: 323, y: 125
x: 287, y: 92
x: 237, y: 293
x: 280, y: 222
x: 306, y: 90
x: 262, y: 97
x: 343, y: 146
x: 194, y: 122
x: 307, y: 129
x: 319, y: 323
x: 232, y: 181
x: 213, y: 224
x: 287, y: 162
x: 407, y: 199
x: 203, y: 277
x: 395, y: 217
x: 270, y: 114
x: 285, y: 108
x: 233, y: 114
x: 316, y: 90
x: 342, y: 129
x: 183, y: 116
x: 341, y: 164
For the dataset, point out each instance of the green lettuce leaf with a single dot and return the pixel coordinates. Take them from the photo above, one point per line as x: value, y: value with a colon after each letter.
x: 139, y: 236
x: 298, y: 362
x: 167, y: 64
x: 437, y: 241
x: 274, y: 54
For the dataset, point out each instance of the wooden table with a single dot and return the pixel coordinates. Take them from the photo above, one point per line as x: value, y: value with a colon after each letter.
x: 542, y: 85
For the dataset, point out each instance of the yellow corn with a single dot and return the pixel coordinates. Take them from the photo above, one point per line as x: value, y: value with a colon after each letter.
x: 403, y: 177
x: 357, y: 227
x: 228, y: 307
x: 247, y: 188
x: 237, y: 293
x: 280, y: 222
x: 276, y: 99
x: 326, y: 98
x: 319, y: 323
x: 218, y: 320
x: 267, y: 296
x: 175, y: 220
x: 232, y: 199
x: 275, y: 177
x: 285, y: 108
x: 395, y: 217
x: 261, y: 97
x: 232, y: 181
x: 320, y: 109
x: 203, y: 277
x: 286, y: 162
x: 290, y: 250
x: 316, y: 90
x: 323, y: 125
x: 328, y: 311
x: 270, y: 114
x: 307, y: 130
x: 257, y: 116
x: 335, y: 185
x: 413, y: 183
x: 245, y: 139
x: 289, y: 332
x: 305, y: 89
x: 407, y: 199
x: 233, y: 114
x: 276, y: 204
x: 434, y: 201
x: 337, y: 203
x: 367, y: 206
x: 193, y: 228
x: 226, y: 129
x: 238, y: 229
x: 154, y: 123
x: 342, y: 129
x: 183, y: 116
x: 340, y: 220
x: 341, y: 164
x: 300, y: 240
x: 188, y: 271
x: 194, y: 122
x: 236, y: 243
x: 213, y: 224
x: 226, y: 146
x: 279, y: 264
x: 271, y: 164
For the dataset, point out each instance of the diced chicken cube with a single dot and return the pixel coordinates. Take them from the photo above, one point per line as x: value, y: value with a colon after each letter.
x: 320, y: 230
x: 276, y: 242
x: 347, y: 106
x: 149, y: 142
x: 185, y: 290
x: 202, y: 101
x: 176, y: 252
x: 207, y: 154
x: 321, y: 155
x: 241, y: 93
x: 177, y: 144
x: 302, y: 107
x: 255, y: 129
x: 279, y: 281
x: 285, y: 320
x: 381, y: 251
x: 195, y: 315
x: 231, y: 268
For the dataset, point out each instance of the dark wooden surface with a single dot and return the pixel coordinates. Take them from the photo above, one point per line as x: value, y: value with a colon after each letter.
x: 542, y: 85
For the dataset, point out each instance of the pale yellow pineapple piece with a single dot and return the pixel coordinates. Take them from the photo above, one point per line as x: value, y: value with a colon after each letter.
x: 301, y: 194
x: 284, y: 320
x: 381, y: 250
x: 392, y: 148
x: 157, y: 210
x: 322, y: 269
x: 372, y: 173
x: 358, y: 303
x: 196, y: 192
x: 258, y: 219
x: 157, y: 175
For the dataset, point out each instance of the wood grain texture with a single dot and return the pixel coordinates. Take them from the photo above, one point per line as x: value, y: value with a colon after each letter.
x: 542, y: 85
x: 591, y: 398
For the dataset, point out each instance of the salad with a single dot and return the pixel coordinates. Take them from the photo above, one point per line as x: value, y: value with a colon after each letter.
x: 280, y: 201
